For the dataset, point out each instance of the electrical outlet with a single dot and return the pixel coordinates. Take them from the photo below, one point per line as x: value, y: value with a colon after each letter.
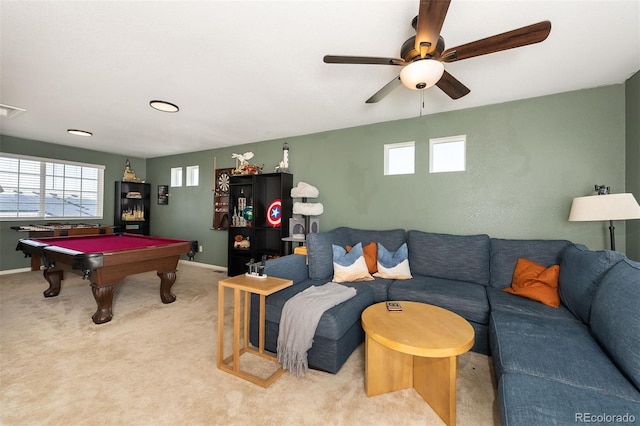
x: 200, y: 249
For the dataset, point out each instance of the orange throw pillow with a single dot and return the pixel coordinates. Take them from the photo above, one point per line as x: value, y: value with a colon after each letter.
x: 370, y: 252
x: 536, y: 282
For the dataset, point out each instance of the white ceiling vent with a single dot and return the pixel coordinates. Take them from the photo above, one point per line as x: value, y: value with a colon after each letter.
x: 10, y: 111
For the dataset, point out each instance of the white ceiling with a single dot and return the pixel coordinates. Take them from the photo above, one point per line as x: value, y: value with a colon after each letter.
x: 246, y: 71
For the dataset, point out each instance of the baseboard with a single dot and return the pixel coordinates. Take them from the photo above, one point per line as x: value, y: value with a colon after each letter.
x: 15, y: 271
x: 204, y: 265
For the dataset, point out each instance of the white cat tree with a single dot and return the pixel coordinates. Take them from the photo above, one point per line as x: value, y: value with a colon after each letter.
x: 305, y: 209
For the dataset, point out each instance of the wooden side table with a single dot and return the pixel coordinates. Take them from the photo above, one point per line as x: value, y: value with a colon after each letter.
x: 245, y: 285
x: 417, y: 347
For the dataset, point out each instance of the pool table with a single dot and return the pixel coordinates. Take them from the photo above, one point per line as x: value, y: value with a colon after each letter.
x: 107, y: 259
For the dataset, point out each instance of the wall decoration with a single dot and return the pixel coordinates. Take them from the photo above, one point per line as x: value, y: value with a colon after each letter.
x: 163, y: 194
x: 274, y: 213
x: 223, y: 178
x: 222, y: 181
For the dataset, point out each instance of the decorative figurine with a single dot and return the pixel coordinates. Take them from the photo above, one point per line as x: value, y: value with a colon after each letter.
x: 240, y: 242
x: 256, y: 270
x: 129, y: 175
x: 283, y: 167
x: 242, y: 165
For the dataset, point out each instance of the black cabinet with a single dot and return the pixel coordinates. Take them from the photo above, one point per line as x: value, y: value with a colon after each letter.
x: 260, y: 207
x: 132, y: 207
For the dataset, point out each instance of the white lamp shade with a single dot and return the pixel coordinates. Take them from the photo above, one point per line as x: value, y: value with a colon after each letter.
x: 604, y: 207
x: 421, y: 74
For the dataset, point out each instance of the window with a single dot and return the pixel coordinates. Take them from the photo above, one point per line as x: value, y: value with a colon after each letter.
x: 399, y: 158
x: 192, y: 175
x: 176, y: 176
x: 40, y: 188
x: 447, y: 154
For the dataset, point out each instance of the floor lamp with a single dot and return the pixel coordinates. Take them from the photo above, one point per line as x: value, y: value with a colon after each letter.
x: 605, y: 206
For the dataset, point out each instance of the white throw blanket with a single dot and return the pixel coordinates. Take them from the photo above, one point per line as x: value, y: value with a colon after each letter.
x: 299, y: 320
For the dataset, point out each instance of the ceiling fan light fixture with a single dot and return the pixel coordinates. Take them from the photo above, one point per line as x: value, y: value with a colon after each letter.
x: 164, y: 106
x: 421, y: 74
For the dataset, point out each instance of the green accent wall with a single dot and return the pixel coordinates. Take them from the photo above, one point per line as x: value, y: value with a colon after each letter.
x: 526, y: 160
x: 114, y: 167
x: 632, y: 127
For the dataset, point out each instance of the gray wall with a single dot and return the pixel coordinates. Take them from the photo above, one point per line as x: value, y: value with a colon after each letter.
x: 526, y: 160
x: 114, y: 166
x: 632, y: 98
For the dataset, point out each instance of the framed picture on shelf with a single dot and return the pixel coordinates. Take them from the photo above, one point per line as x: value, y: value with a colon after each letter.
x: 163, y: 194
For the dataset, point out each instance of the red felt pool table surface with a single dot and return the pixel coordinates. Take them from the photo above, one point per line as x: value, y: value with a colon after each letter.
x: 106, y: 243
x: 106, y: 260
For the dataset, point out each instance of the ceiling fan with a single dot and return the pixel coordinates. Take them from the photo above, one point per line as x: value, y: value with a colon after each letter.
x: 423, y: 54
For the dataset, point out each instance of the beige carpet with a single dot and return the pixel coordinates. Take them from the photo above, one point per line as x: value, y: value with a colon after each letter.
x: 156, y: 364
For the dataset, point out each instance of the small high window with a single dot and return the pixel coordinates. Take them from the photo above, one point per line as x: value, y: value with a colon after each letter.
x: 447, y: 154
x: 399, y: 158
x: 193, y: 175
x: 176, y: 176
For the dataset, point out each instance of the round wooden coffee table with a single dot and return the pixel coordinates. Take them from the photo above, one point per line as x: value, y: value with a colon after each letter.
x: 416, y: 347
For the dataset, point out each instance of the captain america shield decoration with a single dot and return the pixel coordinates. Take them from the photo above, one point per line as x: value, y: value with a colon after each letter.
x: 274, y: 213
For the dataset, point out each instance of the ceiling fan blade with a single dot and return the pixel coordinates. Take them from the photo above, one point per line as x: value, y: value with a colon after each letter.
x: 516, y: 38
x: 388, y: 88
x: 451, y: 86
x: 430, y: 19
x: 367, y: 60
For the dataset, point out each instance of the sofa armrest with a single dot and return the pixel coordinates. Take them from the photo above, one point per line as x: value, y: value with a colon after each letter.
x: 292, y: 267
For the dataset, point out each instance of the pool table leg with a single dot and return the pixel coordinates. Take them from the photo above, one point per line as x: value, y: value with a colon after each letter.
x: 104, y: 299
x: 166, y: 281
x: 54, y: 277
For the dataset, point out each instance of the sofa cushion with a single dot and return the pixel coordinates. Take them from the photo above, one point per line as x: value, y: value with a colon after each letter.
x: 563, y: 351
x: 505, y: 253
x: 391, y: 239
x: 370, y: 252
x: 535, y: 282
x: 580, y: 273
x: 526, y: 400
x: 615, y: 316
x: 380, y: 288
x: 393, y: 264
x: 466, y: 299
x: 320, y: 251
x: 501, y: 301
x: 350, y: 266
x: 453, y: 257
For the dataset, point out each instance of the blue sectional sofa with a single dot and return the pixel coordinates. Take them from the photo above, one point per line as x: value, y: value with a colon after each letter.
x: 553, y: 365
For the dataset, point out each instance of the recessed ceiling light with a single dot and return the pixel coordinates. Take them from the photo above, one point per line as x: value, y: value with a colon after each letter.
x: 79, y: 132
x: 164, y: 106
